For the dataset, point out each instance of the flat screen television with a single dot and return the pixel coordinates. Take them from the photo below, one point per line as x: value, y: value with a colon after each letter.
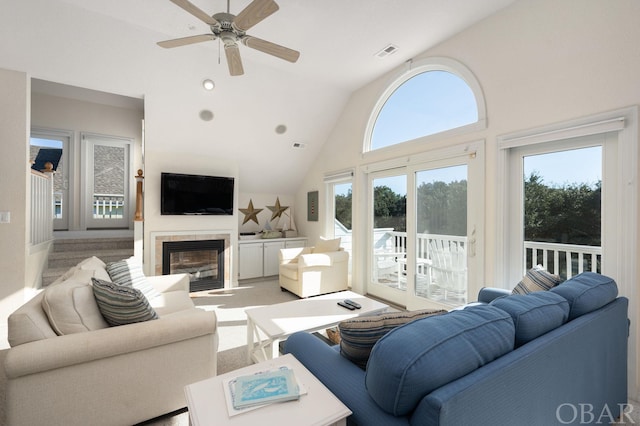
x: 183, y: 194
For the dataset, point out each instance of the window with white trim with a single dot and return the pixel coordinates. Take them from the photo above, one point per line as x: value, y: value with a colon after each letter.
x: 432, y: 97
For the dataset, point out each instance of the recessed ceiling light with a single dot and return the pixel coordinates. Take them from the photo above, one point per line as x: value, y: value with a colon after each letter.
x: 208, y: 84
x: 206, y: 115
x: 281, y: 128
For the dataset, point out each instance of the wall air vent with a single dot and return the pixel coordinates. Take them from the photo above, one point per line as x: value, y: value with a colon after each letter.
x: 389, y: 50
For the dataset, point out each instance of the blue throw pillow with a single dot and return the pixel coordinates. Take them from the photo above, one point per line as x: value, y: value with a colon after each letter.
x: 534, y: 314
x: 587, y: 292
x: 414, y: 359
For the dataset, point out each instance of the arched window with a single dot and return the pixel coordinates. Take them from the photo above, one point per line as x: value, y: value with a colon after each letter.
x: 435, y: 96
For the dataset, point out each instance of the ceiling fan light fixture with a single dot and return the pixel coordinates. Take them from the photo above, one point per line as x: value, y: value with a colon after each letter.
x: 208, y: 84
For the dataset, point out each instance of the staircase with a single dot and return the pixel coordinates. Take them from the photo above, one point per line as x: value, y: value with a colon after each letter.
x: 69, y: 252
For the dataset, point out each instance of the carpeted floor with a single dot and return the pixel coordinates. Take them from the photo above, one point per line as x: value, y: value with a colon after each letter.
x: 229, y: 306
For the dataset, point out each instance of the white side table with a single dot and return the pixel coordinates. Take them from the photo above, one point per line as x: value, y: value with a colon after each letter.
x: 318, y: 407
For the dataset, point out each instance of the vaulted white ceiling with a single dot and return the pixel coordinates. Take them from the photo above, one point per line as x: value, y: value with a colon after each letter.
x: 110, y: 46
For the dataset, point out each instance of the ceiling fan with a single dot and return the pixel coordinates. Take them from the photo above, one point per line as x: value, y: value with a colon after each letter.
x: 231, y: 29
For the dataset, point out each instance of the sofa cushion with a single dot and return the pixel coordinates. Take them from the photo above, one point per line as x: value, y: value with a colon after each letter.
x: 327, y: 246
x: 170, y: 302
x: 128, y: 272
x: 534, y: 314
x: 89, y: 264
x: 29, y: 323
x: 121, y: 304
x: 289, y: 270
x: 71, y: 306
x: 359, y: 335
x: 536, y: 279
x: 416, y: 358
x: 587, y: 292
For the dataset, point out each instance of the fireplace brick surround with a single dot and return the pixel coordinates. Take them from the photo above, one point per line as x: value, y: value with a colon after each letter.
x: 158, y: 238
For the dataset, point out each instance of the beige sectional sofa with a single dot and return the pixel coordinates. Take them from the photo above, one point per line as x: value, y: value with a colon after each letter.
x: 67, y: 366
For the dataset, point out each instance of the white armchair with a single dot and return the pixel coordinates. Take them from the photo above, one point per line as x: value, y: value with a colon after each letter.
x: 306, y: 273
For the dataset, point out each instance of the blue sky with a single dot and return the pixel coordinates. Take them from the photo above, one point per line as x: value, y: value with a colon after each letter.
x: 47, y: 143
x: 567, y: 167
x: 428, y: 103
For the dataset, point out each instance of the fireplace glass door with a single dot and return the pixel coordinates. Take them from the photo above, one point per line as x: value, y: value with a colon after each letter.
x: 202, y: 260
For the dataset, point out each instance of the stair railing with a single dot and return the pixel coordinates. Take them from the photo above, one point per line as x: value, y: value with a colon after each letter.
x: 42, y: 209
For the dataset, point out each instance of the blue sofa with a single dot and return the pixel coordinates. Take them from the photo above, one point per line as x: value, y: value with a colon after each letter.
x: 552, y: 357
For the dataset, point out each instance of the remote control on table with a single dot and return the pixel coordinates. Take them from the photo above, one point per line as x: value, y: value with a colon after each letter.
x: 352, y: 303
x: 346, y: 305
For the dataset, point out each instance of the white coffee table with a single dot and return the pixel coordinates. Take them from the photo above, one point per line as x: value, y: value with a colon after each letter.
x: 318, y: 407
x: 268, y: 325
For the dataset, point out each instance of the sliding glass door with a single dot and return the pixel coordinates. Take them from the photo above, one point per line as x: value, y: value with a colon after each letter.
x: 441, y: 239
x: 426, y: 220
x: 388, y: 235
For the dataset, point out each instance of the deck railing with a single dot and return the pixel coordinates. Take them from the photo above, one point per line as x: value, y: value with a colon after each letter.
x: 108, y: 206
x: 565, y: 260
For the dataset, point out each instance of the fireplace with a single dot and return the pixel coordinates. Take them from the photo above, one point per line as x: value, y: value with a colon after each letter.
x: 203, y: 260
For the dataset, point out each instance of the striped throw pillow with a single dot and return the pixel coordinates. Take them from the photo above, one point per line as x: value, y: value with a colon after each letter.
x: 120, y: 305
x: 358, y: 335
x: 128, y: 272
x: 536, y: 279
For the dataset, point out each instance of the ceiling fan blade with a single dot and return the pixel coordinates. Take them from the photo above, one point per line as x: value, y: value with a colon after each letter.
x: 254, y: 13
x: 233, y: 59
x: 195, y: 11
x: 177, y: 42
x: 271, y: 48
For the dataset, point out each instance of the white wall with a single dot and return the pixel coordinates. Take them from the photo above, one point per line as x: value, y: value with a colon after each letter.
x: 14, y: 178
x: 538, y: 62
x: 261, y: 201
x: 207, y: 163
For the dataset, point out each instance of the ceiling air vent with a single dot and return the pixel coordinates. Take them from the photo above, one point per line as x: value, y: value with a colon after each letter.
x: 299, y: 145
x: 389, y: 50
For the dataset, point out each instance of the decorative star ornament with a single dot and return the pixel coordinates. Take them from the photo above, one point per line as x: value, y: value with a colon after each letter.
x: 250, y: 213
x: 277, y: 210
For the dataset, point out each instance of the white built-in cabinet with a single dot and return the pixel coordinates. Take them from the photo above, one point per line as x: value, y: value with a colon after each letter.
x: 259, y: 258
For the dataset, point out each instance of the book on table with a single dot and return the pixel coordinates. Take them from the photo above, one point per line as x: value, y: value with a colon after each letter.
x: 265, y: 388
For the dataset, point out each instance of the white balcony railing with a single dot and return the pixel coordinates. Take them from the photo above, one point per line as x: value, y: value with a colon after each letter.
x: 565, y: 260
x: 441, y: 262
x: 108, y: 206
